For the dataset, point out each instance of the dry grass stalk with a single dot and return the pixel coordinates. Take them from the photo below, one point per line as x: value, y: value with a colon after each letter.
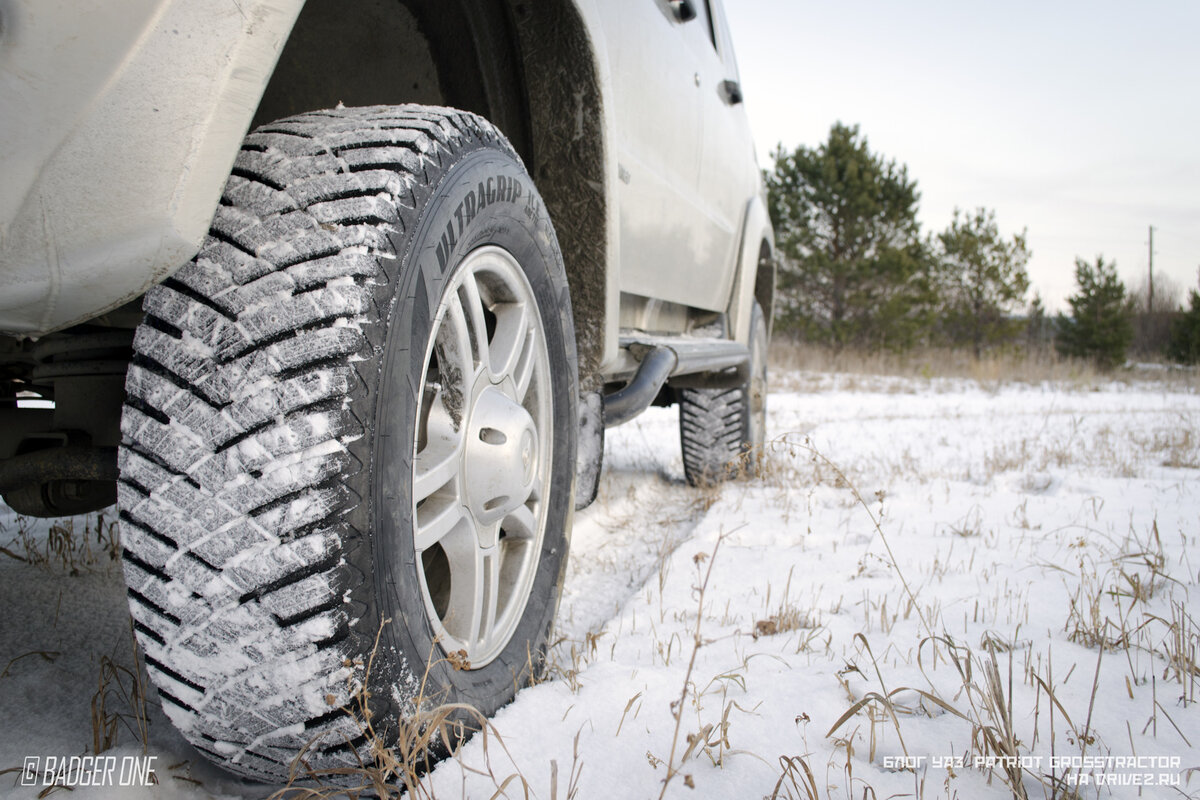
x: 789, y: 616
x: 399, y: 769
x: 673, y: 767
x: 49, y: 656
x: 574, y: 774
x: 64, y: 547
x: 893, y: 564
x: 1180, y: 648
x: 120, y: 701
x: 796, y: 780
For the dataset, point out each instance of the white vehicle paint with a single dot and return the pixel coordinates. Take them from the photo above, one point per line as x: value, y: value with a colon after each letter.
x: 120, y: 123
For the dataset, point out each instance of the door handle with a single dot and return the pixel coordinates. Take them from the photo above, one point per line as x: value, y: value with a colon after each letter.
x: 685, y: 10
x: 731, y: 92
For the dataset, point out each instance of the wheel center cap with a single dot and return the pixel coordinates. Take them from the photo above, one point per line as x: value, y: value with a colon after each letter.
x: 500, y: 456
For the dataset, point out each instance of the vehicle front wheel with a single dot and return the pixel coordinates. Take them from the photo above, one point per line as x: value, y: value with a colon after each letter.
x: 349, y: 441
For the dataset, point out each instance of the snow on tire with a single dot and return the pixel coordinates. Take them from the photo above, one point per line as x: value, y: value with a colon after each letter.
x: 722, y: 430
x: 352, y: 415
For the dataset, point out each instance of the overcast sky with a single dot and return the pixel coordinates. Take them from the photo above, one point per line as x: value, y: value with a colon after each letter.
x: 1078, y: 121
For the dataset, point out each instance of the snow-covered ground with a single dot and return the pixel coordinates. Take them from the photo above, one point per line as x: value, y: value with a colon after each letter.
x: 924, y: 577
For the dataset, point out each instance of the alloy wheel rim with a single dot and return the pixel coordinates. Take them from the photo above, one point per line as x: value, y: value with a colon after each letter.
x: 482, y: 457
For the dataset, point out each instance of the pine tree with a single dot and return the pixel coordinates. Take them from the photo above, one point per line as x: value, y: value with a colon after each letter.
x: 1038, y: 327
x: 854, y: 269
x: 984, y: 279
x: 1184, y: 346
x: 1100, y: 327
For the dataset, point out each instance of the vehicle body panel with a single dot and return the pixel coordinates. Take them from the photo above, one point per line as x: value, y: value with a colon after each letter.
x: 125, y: 120
x: 121, y: 122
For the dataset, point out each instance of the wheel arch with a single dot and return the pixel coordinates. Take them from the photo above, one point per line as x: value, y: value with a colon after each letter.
x: 764, y: 283
x: 755, y: 273
x: 531, y: 68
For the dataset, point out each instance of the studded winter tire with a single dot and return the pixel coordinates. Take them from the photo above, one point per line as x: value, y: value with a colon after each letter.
x: 351, y: 418
x: 722, y: 430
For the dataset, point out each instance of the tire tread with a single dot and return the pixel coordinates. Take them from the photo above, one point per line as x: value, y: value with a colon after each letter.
x: 240, y: 434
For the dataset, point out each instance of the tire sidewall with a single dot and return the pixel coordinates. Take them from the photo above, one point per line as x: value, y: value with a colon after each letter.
x: 758, y: 366
x: 507, y: 213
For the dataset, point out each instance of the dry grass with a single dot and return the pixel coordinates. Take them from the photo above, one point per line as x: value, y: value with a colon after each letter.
x: 1180, y: 649
x: 789, y: 357
x: 1178, y: 446
x: 796, y: 780
x: 790, y: 615
x: 65, y: 548
x: 49, y: 656
x: 1110, y: 611
x: 704, y: 738
x: 397, y: 765
x: 119, y: 702
x: 1005, y: 694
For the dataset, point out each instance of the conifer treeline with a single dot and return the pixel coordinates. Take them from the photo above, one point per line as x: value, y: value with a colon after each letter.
x: 856, y: 270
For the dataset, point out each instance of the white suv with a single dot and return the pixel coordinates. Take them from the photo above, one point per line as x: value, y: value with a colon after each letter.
x: 347, y: 376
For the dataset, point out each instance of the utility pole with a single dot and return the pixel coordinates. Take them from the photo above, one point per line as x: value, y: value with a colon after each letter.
x: 1150, y: 289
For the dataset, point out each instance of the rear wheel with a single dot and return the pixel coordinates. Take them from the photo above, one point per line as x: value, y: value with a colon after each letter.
x: 352, y: 418
x: 722, y: 431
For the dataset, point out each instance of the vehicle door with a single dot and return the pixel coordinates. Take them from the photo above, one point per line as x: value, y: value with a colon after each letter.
x: 652, y: 54
x: 728, y: 170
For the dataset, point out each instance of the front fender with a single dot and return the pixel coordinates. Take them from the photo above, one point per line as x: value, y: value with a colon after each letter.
x: 756, y: 230
x: 120, y: 125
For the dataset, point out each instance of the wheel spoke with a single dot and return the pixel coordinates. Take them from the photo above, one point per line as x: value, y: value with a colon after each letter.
x: 455, y: 342
x: 473, y: 308
x: 461, y: 551
x: 436, y: 465
x: 521, y: 523
x: 434, y: 521
x: 510, y: 343
x: 523, y: 374
x: 487, y: 597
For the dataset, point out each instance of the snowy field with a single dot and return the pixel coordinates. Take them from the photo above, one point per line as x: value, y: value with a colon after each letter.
x: 938, y: 589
